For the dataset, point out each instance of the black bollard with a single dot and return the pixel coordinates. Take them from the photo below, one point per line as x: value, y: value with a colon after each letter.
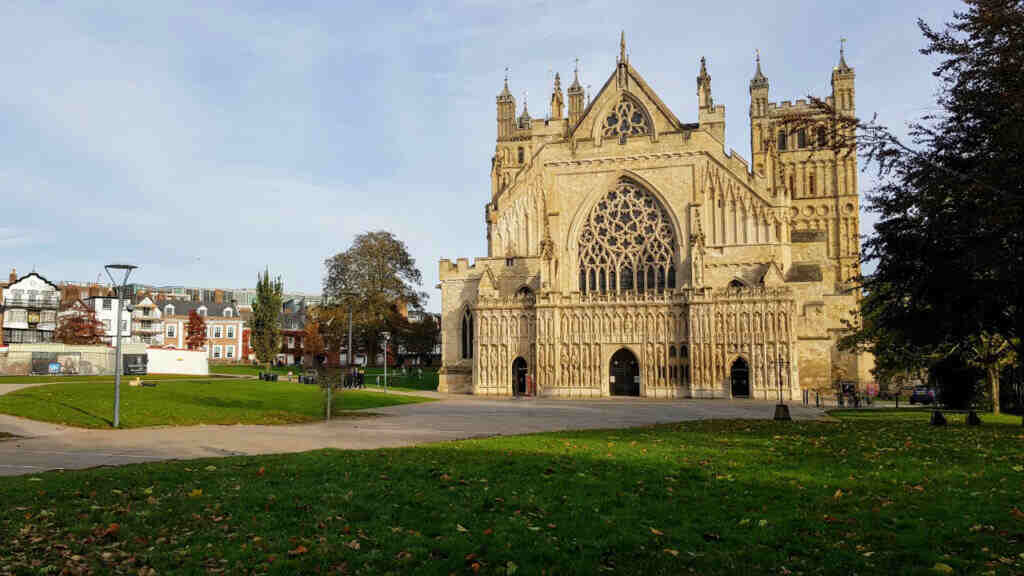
x: 938, y: 419
x: 972, y: 419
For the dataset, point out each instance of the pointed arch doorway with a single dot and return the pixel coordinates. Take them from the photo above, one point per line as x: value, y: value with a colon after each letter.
x: 624, y: 372
x: 739, y: 378
x: 519, y: 371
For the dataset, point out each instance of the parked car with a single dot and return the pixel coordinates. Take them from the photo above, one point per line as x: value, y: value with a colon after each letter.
x: 922, y: 395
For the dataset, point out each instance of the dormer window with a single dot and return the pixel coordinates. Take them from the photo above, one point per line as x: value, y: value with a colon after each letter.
x: 169, y: 310
x: 201, y: 311
x: 227, y: 312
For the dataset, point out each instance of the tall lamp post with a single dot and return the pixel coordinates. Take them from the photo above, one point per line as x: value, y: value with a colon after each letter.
x: 781, y: 409
x: 118, y: 292
x: 387, y: 336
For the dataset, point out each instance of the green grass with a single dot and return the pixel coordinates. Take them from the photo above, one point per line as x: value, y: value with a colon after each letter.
x: 921, y: 415
x: 396, y: 380
x: 73, y: 378
x: 187, y: 402
x: 885, y: 496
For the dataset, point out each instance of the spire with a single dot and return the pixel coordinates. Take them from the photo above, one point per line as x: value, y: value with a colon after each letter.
x: 703, y: 67
x: 576, y: 77
x: 524, y: 118
x: 843, y: 67
x: 704, y: 86
x: 556, y: 99
x: 759, y: 80
x: 504, y: 92
x: 622, y: 48
x: 558, y: 83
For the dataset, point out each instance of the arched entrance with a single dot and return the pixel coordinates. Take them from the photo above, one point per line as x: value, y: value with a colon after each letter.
x: 739, y: 376
x: 519, y: 376
x: 625, y: 374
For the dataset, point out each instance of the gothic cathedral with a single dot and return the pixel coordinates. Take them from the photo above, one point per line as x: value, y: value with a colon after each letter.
x: 628, y: 254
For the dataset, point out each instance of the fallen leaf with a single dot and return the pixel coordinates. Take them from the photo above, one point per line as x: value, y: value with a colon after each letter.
x: 261, y: 471
x: 838, y: 494
x: 112, y: 530
x: 672, y: 552
x: 657, y: 532
x: 461, y: 528
x: 298, y: 551
x: 196, y: 493
x: 942, y: 568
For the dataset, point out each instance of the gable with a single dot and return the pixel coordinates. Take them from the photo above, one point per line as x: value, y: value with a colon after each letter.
x: 33, y: 281
x: 625, y: 85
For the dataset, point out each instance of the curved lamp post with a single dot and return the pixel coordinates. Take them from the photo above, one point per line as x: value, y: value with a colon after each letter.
x: 118, y: 293
x: 781, y: 409
x: 387, y: 336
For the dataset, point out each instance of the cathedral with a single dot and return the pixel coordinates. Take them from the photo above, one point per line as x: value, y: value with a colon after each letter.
x: 629, y: 254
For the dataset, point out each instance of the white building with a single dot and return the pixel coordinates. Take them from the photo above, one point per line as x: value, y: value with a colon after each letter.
x: 147, y: 323
x: 105, y: 308
x: 29, y: 305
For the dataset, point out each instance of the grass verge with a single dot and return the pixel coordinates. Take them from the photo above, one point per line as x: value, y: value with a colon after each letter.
x: 183, y: 402
x: 887, y: 496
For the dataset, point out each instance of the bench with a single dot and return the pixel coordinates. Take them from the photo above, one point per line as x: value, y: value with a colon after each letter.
x: 938, y: 419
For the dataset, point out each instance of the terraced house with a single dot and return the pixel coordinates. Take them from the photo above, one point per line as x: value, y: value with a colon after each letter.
x: 223, y: 327
x: 29, y: 306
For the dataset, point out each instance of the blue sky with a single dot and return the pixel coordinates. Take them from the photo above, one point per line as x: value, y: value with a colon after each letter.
x: 203, y: 141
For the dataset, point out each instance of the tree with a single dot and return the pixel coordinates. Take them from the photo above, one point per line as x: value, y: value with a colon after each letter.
x: 79, y: 326
x: 423, y: 336
x: 195, y: 331
x: 312, y: 340
x: 374, y: 277
x: 265, y: 333
x: 949, y: 244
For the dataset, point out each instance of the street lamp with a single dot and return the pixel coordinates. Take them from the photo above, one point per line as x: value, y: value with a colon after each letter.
x: 118, y: 290
x: 781, y: 409
x: 387, y: 336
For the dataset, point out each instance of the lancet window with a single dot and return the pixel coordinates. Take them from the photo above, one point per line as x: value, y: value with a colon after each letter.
x: 467, y: 334
x: 627, y: 243
x: 627, y: 119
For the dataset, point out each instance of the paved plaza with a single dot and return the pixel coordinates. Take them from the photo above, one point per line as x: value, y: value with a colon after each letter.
x: 43, y: 446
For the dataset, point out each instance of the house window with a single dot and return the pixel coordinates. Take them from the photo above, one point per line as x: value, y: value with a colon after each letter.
x: 145, y: 312
x: 106, y: 326
x: 124, y: 326
x: 217, y: 332
x: 227, y: 312
x: 107, y: 304
x: 170, y: 330
x: 201, y: 311
x: 291, y: 342
x: 216, y: 351
x: 168, y: 310
x: 229, y: 352
x: 230, y: 331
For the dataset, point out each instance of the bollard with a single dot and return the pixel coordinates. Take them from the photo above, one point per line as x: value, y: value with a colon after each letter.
x: 938, y: 419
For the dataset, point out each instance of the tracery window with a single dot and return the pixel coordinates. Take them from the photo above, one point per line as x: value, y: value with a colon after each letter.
x: 627, y: 119
x: 627, y: 243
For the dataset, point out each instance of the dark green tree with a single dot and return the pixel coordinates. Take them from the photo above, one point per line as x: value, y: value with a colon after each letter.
x: 265, y: 333
x: 376, y: 277
x: 950, y: 238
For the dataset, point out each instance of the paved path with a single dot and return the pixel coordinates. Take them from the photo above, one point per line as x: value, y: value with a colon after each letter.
x: 48, y: 446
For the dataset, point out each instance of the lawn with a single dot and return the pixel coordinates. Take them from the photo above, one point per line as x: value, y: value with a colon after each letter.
x: 88, y: 378
x: 396, y: 380
x: 886, y: 496
x: 182, y: 402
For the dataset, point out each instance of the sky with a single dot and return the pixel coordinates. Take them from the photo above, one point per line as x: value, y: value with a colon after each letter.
x: 205, y: 141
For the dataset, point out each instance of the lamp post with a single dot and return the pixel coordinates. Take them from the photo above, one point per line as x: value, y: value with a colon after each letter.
x: 118, y: 290
x: 387, y: 336
x: 781, y: 409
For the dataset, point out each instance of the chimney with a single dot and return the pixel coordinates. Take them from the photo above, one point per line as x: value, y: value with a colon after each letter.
x: 13, y: 277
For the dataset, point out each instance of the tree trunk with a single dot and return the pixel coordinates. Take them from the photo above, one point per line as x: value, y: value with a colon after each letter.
x: 993, y: 380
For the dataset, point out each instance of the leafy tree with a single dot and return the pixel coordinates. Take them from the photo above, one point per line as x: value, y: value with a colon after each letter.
x: 949, y: 244
x: 312, y: 340
x: 374, y: 277
x: 79, y: 327
x: 423, y: 336
x: 195, y: 331
x: 265, y: 333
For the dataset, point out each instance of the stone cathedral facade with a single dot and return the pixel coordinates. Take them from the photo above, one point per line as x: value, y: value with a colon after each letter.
x: 629, y: 254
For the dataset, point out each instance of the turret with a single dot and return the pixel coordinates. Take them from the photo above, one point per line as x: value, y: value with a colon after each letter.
x: 842, y: 83
x: 556, y: 99
x: 575, y: 93
x: 760, y: 129
x: 524, y: 118
x: 506, y: 112
x: 710, y: 117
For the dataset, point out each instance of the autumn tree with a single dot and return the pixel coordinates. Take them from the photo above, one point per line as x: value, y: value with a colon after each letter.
x: 376, y: 277
x: 423, y: 336
x: 79, y: 327
x: 312, y: 340
x: 265, y: 333
x: 195, y: 331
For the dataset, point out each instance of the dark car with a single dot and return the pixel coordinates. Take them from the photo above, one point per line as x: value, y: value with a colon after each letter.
x: 922, y: 395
